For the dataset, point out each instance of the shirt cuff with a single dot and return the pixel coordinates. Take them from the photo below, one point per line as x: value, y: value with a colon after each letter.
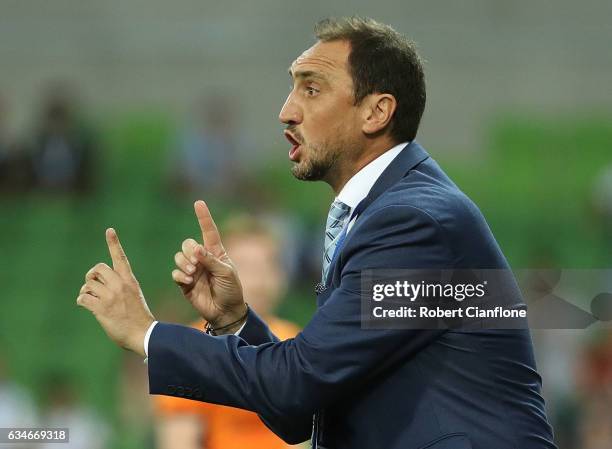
x: 147, y: 336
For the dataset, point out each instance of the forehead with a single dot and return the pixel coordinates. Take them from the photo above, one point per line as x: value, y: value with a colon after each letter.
x: 323, y: 57
x: 249, y: 241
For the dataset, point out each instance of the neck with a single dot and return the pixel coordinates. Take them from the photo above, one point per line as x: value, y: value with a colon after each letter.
x: 341, y: 176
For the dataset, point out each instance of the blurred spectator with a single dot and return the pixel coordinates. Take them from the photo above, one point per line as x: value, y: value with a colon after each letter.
x: 15, y: 168
x: 64, y: 147
x: 186, y: 424
x: 595, y: 393
x: 208, y: 149
x: 134, y: 404
x: 556, y: 344
x: 64, y: 409
x: 16, y: 405
x: 595, y: 427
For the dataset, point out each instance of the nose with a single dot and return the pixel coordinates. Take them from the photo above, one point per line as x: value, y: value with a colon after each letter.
x: 291, y: 113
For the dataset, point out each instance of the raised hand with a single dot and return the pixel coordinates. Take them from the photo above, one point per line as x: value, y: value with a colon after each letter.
x: 207, y: 277
x: 114, y: 296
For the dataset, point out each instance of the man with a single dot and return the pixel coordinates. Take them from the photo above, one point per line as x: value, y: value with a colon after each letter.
x: 352, y: 116
x: 183, y: 424
x: 65, y: 148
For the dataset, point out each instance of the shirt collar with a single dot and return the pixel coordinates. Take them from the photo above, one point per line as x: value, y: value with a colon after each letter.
x: 358, y: 187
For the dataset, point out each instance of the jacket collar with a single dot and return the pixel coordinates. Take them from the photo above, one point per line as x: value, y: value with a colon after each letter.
x: 410, y: 156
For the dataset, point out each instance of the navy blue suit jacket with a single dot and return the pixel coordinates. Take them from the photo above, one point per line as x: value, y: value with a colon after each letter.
x: 376, y: 389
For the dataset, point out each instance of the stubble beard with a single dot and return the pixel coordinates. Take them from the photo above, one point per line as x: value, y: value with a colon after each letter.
x: 318, y: 164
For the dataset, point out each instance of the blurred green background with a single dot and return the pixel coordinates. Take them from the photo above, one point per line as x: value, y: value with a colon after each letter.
x: 534, y: 186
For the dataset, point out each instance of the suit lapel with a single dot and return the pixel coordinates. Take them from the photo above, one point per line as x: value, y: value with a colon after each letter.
x: 410, y: 156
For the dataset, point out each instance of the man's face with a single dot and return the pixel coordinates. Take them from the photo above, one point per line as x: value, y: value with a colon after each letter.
x: 262, y: 275
x: 320, y: 113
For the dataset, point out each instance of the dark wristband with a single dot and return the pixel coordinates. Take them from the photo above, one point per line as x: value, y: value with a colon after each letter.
x: 210, y: 330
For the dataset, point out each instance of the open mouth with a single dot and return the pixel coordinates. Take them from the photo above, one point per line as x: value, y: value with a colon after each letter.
x: 295, y: 146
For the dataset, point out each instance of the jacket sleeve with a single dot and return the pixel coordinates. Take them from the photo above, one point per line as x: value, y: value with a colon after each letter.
x: 290, y: 428
x: 255, y: 332
x: 332, y: 357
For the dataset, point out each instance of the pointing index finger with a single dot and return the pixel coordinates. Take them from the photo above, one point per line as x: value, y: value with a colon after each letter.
x: 121, y: 263
x: 210, y: 233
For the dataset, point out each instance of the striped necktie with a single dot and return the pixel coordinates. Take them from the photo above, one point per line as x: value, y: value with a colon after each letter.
x: 336, y: 219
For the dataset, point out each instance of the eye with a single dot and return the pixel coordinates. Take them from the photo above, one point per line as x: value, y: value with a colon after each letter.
x: 311, y: 91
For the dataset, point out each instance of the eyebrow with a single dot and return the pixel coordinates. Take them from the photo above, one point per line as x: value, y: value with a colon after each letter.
x: 307, y: 74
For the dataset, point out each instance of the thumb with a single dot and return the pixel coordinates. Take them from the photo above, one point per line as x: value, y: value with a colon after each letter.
x: 211, y: 263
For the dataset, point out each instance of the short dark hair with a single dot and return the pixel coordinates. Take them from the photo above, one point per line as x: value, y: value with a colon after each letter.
x: 382, y: 61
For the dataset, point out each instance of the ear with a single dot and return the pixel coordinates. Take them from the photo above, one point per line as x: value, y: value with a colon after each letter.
x: 378, y: 112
